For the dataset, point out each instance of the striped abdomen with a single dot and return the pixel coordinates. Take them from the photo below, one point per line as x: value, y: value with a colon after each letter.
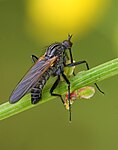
x: 36, y: 92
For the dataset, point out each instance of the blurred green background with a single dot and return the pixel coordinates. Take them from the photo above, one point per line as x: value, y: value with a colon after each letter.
x: 26, y: 27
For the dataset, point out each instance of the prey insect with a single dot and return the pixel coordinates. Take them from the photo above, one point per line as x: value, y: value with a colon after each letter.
x: 51, y: 63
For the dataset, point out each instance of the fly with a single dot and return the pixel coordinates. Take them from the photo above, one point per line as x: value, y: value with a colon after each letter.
x: 51, y: 63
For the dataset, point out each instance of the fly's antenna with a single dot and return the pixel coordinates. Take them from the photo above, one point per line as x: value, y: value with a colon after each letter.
x: 69, y: 37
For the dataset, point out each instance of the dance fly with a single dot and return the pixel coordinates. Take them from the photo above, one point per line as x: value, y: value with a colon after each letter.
x: 51, y: 63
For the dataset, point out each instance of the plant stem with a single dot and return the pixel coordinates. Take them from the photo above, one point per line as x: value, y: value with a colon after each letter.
x: 82, y: 79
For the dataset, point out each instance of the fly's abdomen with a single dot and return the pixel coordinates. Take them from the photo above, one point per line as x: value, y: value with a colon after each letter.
x: 36, y: 92
x: 35, y: 95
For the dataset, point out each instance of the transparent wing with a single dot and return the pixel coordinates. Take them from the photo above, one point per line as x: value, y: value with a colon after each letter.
x: 31, y: 78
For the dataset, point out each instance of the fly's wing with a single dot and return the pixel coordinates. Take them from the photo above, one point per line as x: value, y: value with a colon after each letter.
x: 31, y: 78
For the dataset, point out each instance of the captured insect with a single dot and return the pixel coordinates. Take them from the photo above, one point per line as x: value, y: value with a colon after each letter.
x: 51, y: 63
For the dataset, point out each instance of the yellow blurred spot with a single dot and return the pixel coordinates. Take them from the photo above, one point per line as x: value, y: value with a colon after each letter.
x: 56, y: 18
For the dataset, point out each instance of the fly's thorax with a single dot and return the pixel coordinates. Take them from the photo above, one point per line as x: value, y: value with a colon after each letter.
x: 56, y: 49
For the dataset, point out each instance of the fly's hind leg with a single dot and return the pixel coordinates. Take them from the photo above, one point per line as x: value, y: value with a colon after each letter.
x: 54, y: 87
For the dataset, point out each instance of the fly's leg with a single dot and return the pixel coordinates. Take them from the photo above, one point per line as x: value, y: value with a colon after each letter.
x: 71, y: 58
x: 87, y: 66
x: 78, y: 63
x: 54, y: 87
x: 34, y: 58
x: 68, y: 82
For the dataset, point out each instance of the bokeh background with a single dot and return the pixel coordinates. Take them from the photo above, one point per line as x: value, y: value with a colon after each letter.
x: 26, y: 27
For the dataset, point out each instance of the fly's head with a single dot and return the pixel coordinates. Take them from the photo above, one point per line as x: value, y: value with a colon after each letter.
x: 67, y: 44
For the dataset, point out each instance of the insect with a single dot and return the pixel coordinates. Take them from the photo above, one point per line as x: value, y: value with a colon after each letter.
x: 51, y: 63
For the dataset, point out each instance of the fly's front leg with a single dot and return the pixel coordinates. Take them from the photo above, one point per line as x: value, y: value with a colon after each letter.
x: 87, y: 66
x: 78, y: 63
x: 54, y: 87
x: 71, y: 58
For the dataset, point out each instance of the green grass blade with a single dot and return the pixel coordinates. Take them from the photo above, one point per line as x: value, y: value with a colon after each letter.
x: 82, y: 79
